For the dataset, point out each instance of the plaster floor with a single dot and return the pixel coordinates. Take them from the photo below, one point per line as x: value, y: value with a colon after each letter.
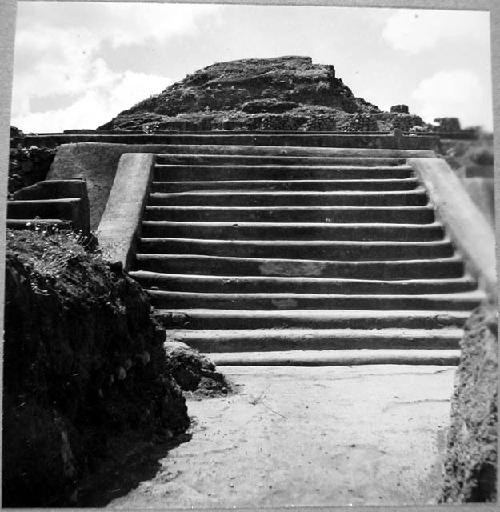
x: 338, y: 435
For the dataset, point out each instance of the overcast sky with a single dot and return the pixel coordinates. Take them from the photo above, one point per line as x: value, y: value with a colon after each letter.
x: 77, y: 65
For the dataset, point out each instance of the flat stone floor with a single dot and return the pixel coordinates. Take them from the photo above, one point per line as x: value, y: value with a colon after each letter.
x: 363, y: 435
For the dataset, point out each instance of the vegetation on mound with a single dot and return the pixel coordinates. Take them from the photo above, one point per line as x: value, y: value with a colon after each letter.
x: 471, y: 462
x: 84, y: 364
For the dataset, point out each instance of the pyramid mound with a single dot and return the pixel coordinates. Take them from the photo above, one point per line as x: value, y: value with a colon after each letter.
x: 284, y: 93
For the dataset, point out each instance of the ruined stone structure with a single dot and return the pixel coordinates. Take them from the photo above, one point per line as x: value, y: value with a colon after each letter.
x: 292, y: 245
x: 284, y: 93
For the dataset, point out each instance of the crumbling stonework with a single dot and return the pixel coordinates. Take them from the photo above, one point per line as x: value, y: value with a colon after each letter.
x: 284, y: 93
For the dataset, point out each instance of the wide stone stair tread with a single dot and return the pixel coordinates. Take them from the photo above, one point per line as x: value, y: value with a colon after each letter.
x: 222, y: 265
x: 319, y: 319
x: 455, y: 301
x: 256, y: 284
x: 337, y: 357
x: 294, y: 230
x: 301, y: 249
x: 337, y: 214
x: 277, y: 172
x: 228, y: 340
x: 415, y: 197
x: 286, y: 185
x: 198, y: 158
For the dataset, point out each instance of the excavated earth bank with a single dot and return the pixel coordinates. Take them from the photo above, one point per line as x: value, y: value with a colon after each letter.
x: 85, y: 371
x: 471, y: 463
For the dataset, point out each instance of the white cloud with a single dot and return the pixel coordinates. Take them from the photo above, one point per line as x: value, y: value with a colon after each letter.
x: 454, y: 93
x: 119, y: 23
x: 61, y: 60
x: 96, y: 105
x: 413, y: 31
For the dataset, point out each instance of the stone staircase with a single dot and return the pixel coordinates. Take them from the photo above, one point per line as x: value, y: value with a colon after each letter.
x: 274, y: 255
x: 52, y: 203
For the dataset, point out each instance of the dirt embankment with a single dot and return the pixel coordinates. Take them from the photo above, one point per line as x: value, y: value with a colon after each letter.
x: 84, y: 366
x: 471, y: 463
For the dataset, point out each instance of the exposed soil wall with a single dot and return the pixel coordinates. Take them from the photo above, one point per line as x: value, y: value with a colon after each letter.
x: 28, y: 165
x: 471, y: 463
x: 84, y: 364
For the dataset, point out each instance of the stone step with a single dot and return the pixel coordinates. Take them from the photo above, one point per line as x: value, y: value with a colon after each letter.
x: 455, y: 301
x: 335, y: 214
x: 318, y: 319
x: 235, y: 159
x: 297, y: 185
x: 43, y: 208
x: 300, y: 249
x: 415, y: 197
x: 43, y: 223
x: 337, y: 357
x: 286, y: 150
x: 215, y: 265
x: 292, y: 231
x: 277, y: 172
x: 309, y: 285
x: 262, y: 340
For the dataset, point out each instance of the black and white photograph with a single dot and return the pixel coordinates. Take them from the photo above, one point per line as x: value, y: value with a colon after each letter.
x: 249, y: 255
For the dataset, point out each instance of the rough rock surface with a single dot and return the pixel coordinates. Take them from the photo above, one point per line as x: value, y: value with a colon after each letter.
x: 84, y: 366
x: 471, y: 463
x: 28, y: 166
x: 283, y: 93
x: 194, y: 372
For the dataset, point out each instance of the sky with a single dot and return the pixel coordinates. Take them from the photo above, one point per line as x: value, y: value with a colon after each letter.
x: 77, y: 65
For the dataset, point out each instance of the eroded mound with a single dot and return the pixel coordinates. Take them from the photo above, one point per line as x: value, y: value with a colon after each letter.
x: 283, y: 93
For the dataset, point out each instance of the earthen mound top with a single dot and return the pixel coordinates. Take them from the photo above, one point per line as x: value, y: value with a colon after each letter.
x: 280, y: 93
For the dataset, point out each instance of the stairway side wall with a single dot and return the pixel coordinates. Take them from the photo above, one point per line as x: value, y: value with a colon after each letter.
x: 120, y: 223
x: 97, y: 164
x: 466, y: 225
